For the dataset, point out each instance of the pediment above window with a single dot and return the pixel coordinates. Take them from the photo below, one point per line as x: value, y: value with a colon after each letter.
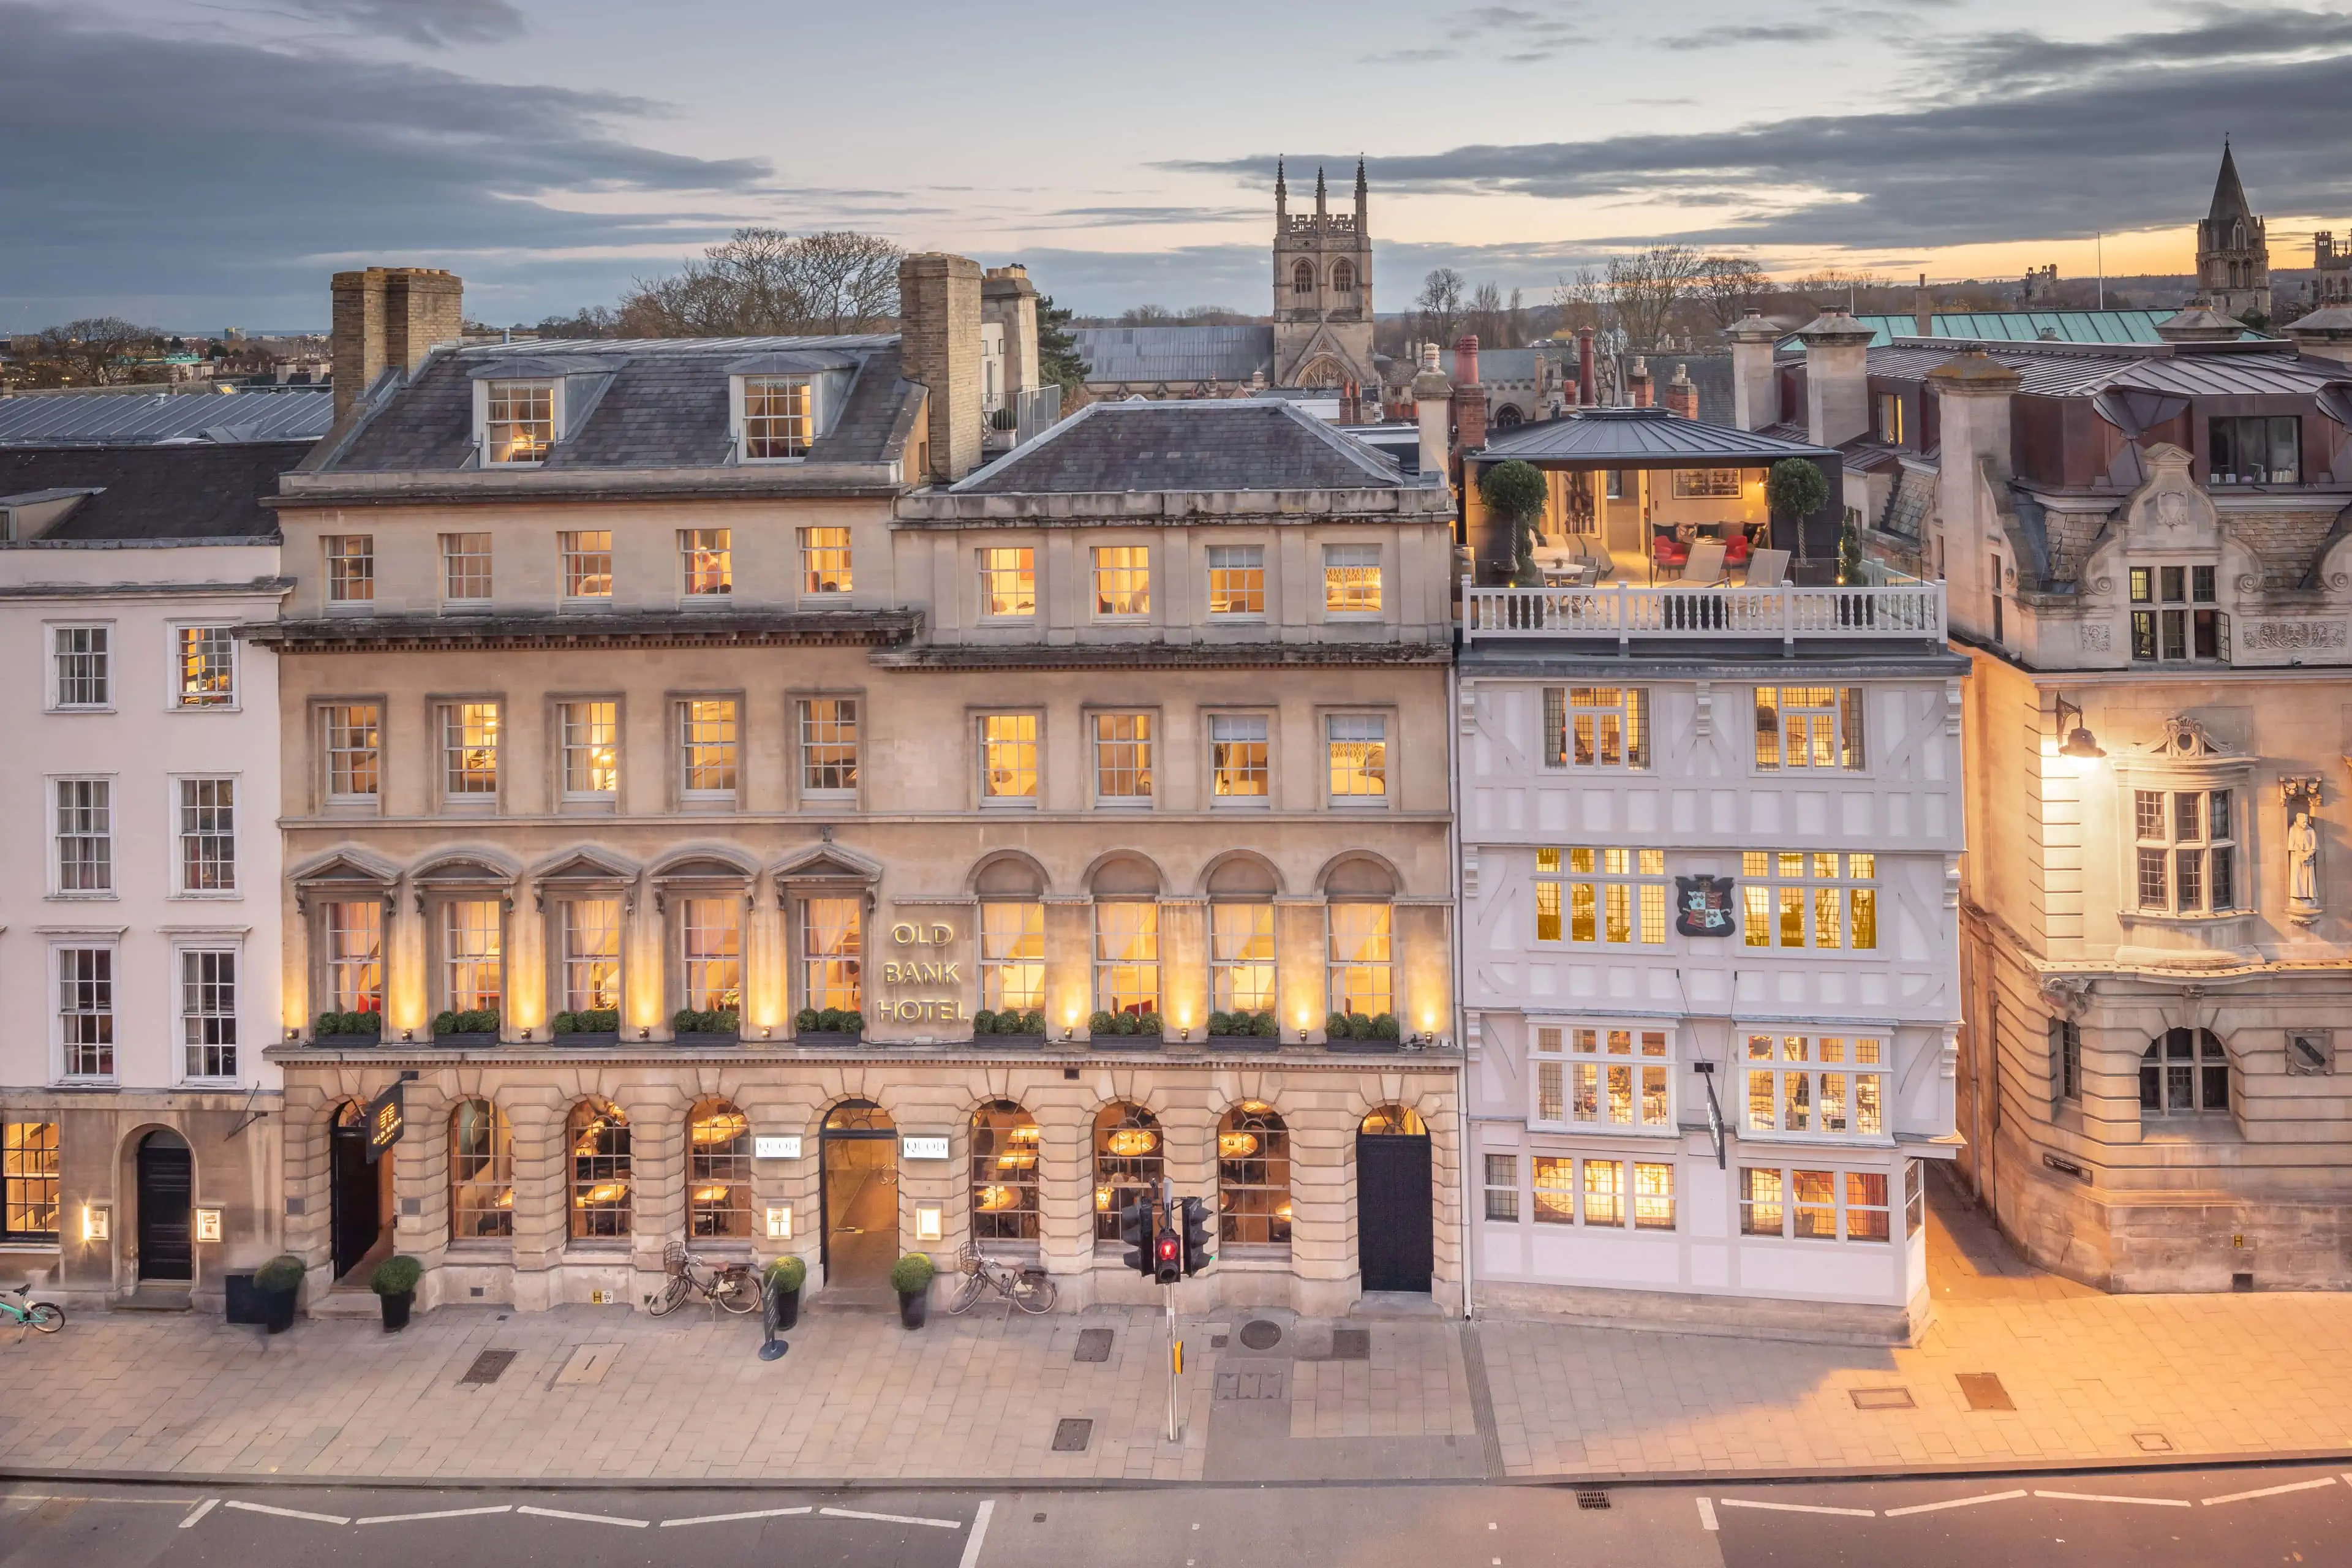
x: 828, y: 863
x: 586, y: 866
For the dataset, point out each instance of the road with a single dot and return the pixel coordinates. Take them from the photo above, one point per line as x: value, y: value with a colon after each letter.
x: 2288, y: 1514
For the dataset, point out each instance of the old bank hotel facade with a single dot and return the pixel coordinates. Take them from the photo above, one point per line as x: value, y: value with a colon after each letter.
x: 728, y: 811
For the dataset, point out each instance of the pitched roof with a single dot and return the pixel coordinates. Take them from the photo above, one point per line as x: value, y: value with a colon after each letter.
x: 1221, y: 443
x: 2050, y: 371
x: 1181, y: 353
x: 2020, y: 327
x: 119, y: 418
x: 1640, y: 436
x: 194, y: 491
x: 2229, y: 194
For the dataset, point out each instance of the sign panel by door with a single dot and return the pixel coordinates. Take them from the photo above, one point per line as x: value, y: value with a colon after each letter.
x: 385, y: 1119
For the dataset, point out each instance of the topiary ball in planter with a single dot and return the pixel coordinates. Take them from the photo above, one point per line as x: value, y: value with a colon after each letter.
x: 911, y: 1277
x: 786, y: 1276
x: 808, y: 1021
x: 394, y: 1284
x: 278, y: 1280
x: 1100, y: 1023
x: 984, y: 1023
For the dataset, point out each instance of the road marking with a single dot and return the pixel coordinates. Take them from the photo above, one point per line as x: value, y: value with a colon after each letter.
x: 1799, y: 1508
x: 1953, y: 1502
x: 2273, y: 1491
x: 2101, y: 1497
x: 980, y: 1533
x: 731, y: 1518
x: 443, y: 1514
x: 583, y: 1518
x: 202, y: 1509
x: 1706, y: 1515
x: 287, y: 1512
x: 93, y: 1497
x: 893, y: 1518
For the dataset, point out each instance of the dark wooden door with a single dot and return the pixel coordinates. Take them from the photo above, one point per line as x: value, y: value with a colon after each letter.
x: 359, y: 1210
x: 166, y: 1186
x: 1395, y: 1244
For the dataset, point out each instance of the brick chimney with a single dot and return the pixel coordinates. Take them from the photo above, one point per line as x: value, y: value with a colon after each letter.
x: 1469, y: 398
x: 1637, y: 383
x: 939, y: 350
x: 1681, y: 393
x: 1585, y: 395
x: 389, y: 317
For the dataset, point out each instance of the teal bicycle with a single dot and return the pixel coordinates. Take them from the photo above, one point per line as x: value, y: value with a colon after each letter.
x: 45, y: 1316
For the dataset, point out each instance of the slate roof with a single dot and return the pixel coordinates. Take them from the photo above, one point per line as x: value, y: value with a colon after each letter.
x: 1643, y: 437
x: 658, y: 403
x: 150, y: 491
x: 2023, y: 326
x: 1219, y: 443
x: 1187, y: 354
x: 2049, y: 370
x: 119, y: 418
x: 1497, y: 365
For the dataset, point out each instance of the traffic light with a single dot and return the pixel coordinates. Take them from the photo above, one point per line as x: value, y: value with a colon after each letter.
x: 1135, y: 1229
x: 1167, y: 1256
x: 1197, y: 1255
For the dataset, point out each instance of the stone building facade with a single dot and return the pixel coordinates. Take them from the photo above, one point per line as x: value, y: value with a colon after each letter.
x: 834, y: 849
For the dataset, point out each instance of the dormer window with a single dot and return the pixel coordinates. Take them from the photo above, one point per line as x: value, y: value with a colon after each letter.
x: 2254, y: 449
x: 778, y: 417
x: 2174, y: 615
x: 518, y: 421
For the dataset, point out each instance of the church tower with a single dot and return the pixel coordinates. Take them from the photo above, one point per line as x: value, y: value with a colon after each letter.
x: 2233, y: 260
x: 1322, y: 291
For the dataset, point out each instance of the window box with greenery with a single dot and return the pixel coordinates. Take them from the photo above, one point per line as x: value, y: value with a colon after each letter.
x: 911, y: 1277
x: 1013, y: 1026
x: 278, y: 1282
x: 394, y: 1284
x: 710, y: 1026
x: 784, y: 1278
x: 1360, y: 1032
x: 1126, y: 1031
x: 466, y: 1027
x: 587, y: 1026
x: 826, y: 1025
x: 1242, y: 1029
x: 347, y: 1029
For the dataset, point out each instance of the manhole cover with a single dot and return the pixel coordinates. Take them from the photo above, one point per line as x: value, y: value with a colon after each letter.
x: 1216, y: 1341
x: 1351, y: 1344
x: 1072, y: 1434
x: 1260, y: 1335
x: 1094, y: 1345
x: 1883, y: 1399
x: 1592, y: 1500
x: 487, y: 1367
x: 1983, y: 1391
x: 2152, y: 1442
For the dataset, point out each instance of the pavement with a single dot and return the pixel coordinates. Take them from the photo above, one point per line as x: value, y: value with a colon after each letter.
x: 2020, y: 1372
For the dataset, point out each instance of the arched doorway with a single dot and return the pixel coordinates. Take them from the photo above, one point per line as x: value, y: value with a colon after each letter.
x: 356, y: 1211
x: 860, y: 1171
x: 1395, y: 1219
x: 167, y: 1180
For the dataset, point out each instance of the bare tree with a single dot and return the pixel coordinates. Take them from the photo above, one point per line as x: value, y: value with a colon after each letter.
x: 1644, y: 290
x: 1727, y: 286
x: 1440, y: 304
x: 590, y: 321
x: 1485, y: 316
x: 97, y: 351
x: 1577, y: 302
x: 762, y: 281
x: 1833, y: 290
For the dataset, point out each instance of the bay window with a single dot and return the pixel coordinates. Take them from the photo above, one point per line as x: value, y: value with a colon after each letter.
x: 1808, y: 727
x: 1814, y: 1206
x: 1586, y: 894
x: 1597, y: 727
x: 1602, y: 1077
x: 1822, y: 1085
x: 1616, y: 1195
x: 2185, y: 851
x: 1816, y: 899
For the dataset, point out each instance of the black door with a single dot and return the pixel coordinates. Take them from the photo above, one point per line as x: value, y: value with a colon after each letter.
x: 166, y: 1184
x: 359, y: 1212
x: 1395, y: 1244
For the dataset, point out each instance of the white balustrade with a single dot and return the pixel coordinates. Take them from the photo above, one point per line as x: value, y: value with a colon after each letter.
x: 1628, y: 610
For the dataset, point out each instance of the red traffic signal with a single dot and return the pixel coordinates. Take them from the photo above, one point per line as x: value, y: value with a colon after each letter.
x: 1168, y: 1258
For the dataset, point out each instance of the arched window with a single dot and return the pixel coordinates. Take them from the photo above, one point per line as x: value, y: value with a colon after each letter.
x: 1343, y: 278
x: 2185, y: 1072
x: 1509, y: 418
x: 1302, y: 278
x: 1004, y: 1173
x: 1128, y: 1161
x: 481, y: 1173
x: 719, y: 1171
x: 599, y: 1136
x: 1394, y: 1121
x: 1253, y: 1176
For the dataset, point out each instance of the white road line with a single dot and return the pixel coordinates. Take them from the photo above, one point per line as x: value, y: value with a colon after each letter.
x: 2273, y: 1491
x: 2101, y: 1497
x: 287, y: 1512
x: 583, y: 1518
x: 1706, y: 1515
x: 93, y: 1497
x: 731, y: 1518
x: 1953, y: 1502
x: 980, y: 1533
x: 441, y: 1513
x: 1799, y: 1508
x: 202, y: 1508
x: 892, y: 1518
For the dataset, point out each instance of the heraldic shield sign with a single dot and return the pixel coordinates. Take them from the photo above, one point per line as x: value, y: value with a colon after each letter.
x: 1703, y: 906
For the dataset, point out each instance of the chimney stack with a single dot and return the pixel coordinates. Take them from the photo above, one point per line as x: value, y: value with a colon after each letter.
x: 1469, y: 396
x: 1009, y: 298
x: 1681, y: 393
x: 1755, y: 385
x: 1432, y: 396
x: 1637, y: 383
x: 1837, y: 378
x: 1585, y: 396
x: 390, y: 317
x: 1923, y: 314
x: 939, y: 349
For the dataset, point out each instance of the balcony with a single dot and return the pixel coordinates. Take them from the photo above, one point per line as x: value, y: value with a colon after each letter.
x: 1625, y: 611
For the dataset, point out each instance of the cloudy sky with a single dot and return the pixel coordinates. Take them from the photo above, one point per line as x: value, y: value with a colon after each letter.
x: 197, y: 164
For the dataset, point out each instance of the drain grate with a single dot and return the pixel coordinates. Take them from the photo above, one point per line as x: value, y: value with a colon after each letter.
x: 1072, y: 1434
x: 1094, y: 1345
x: 1983, y: 1391
x: 1248, y: 1385
x: 2152, y: 1442
x: 1260, y: 1335
x: 1592, y: 1500
x: 487, y: 1367
x: 1883, y: 1399
x: 1351, y: 1344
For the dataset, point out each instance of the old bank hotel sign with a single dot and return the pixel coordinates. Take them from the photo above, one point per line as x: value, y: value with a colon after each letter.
x: 922, y: 980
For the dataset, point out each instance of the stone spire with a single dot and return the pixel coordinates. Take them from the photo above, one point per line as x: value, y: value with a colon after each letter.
x: 1360, y: 192
x: 1281, y: 197
x: 1318, y: 191
x: 2229, y: 194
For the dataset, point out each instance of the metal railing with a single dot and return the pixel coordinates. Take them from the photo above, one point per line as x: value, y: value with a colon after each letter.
x: 1013, y: 419
x: 1628, y: 610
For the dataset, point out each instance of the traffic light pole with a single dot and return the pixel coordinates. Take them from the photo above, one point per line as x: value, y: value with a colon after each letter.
x: 1172, y: 1215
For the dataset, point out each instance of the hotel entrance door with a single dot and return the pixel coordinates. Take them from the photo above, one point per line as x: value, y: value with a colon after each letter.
x: 861, y: 1199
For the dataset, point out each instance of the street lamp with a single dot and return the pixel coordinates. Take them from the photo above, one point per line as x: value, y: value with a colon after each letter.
x: 2080, y: 747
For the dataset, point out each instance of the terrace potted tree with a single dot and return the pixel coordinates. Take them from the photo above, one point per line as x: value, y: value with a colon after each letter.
x: 911, y: 1277
x: 785, y: 1277
x: 394, y: 1284
x: 1515, y: 492
x: 278, y: 1282
x: 1795, y: 489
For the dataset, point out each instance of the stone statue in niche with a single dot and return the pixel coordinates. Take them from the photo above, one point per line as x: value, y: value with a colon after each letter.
x: 2300, y: 797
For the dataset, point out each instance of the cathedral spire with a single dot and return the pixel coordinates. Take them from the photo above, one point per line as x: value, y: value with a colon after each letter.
x: 1318, y: 190
x: 1359, y: 194
x: 2229, y: 194
x: 1281, y: 195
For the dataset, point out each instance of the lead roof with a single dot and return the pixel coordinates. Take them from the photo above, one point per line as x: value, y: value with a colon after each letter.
x: 1219, y: 443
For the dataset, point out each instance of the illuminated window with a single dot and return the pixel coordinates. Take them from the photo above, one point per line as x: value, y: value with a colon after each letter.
x: 1128, y: 1164
x: 1252, y: 1176
x: 2186, y: 849
x: 825, y: 561
x: 1238, y: 757
x: 1597, y: 727
x: 600, y: 1175
x: 592, y: 955
x: 2175, y: 616
x: 591, y: 735
x: 707, y: 748
x: 354, y: 952
x: 1816, y: 899
x: 469, y: 751
x: 1236, y: 580
x: 1603, y: 1077
x: 710, y: 936
x: 519, y: 421
x: 718, y: 1172
x: 1012, y: 956
x: 1240, y: 957
x: 1351, y: 579
x: 1816, y: 1206
x: 208, y: 836
x: 707, y: 561
x: 1828, y: 1086
x: 1005, y: 1142
x: 1123, y: 758
x: 351, y: 568
x: 1706, y: 484
x: 464, y: 567
x: 828, y: 745
x: 85, y: 1010
x: 1808, y: 727
x: 1502, y: 1187
x: 778, y: 417
x: 1357, y: 745
x: 208, y: 1013
x: 353, y: 755
x: 29, y: 1181
x: 1588, y: 894
x: 207, y: 658
x: 1008, y: 756
x: 833, y: 967
x: 1122, y: 580
x: 1127, y: 957
x: 1362, y: 975
x: 473, y: 969
x: 587, y: 564
x: 481, y: 1173
x: 1008, y: 583
x: 85, y: 837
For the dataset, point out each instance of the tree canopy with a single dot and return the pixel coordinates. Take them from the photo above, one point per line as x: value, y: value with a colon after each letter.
x: 764, y: 282
x: 1795, y: 488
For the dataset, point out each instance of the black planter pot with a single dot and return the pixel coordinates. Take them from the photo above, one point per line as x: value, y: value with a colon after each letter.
x: 277, y: 1309
x: 697, y: 1040
x: 787, y: 1309
x: 396, y: 1311
x: 911, y: 1307
x: 466, y: 1037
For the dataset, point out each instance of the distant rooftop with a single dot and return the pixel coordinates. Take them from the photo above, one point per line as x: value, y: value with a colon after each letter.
x: 153, y: 491
x: 2022, y: 327
x: 1222, y: 444
x: 1642, y: 437
x: 2055, y: 370
x: 1180, y: 353
x: 151, y: 419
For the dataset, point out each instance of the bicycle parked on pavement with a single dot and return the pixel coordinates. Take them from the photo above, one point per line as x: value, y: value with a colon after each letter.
x: 43, y: 1317
x: 1031, y: 1289
x: 731, y: 1287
